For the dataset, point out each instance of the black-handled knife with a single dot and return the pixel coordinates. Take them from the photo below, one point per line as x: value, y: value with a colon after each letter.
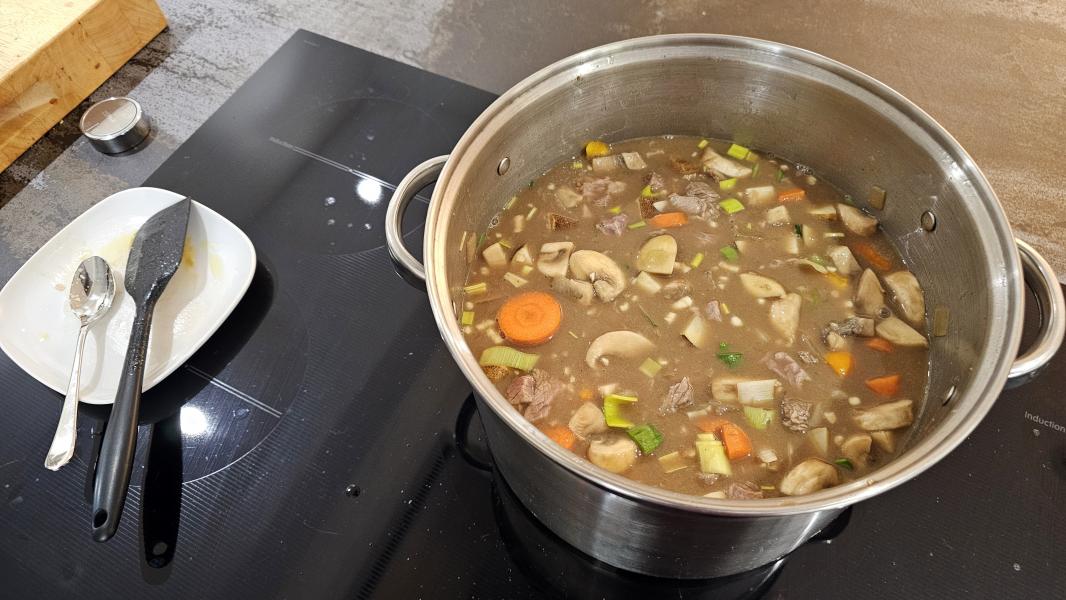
x: 154, y: 258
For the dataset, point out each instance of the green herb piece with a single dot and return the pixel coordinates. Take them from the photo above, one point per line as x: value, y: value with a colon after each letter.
x: 647, y: 316
x: 510, y: 202
x: 713, y: 458
x: 476, y: 288
x: 758, y: 417
x: 646, y: 436
x: 646, y: 192
x: 731, y: 205
x: 577, y: 164
x: 798, y: 229
x: 845, y: 463
x: 480, y: 240
x: 729, y: 252
x: 637, y: 225
x: 780, y: 175
x: 467, y: 318
x: 573, y: 335
x: 650, y: 367
x: 612, y: 410
x: 531, y: 182
x: 731, y: 359
x: 755, y: 169
x: 819, y: 260
x: 531, y: 212
x: 614, y: 210
x: 696, y: 260
x: 703, y: 144
x: 504, y: 356
x: 737, y: 151
x: 728, y: 184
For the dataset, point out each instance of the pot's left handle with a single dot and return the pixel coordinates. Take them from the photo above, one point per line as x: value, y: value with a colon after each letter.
x: 419, y: 177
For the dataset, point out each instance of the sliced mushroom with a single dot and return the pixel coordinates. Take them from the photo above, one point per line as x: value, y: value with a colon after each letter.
x: 622, y: 343
x: 857, y: 221
x: 657, y: 255
x: 724, y: 387
x: 869, y: 296
x: 808, y: 477
x: 606, y: 276
x: 908, y: 295
x: 885, y: 440
x: 578, y: 290
x: 890, y: 415
x: 567, y: 196
x: 722, y: 166
x: 899, y: 333
x: 613, y: 452
x: 856, y: 448
x: 785, y: 314
x: 587, y: 420
x: 760, y: 286
x: 835, y: 342
x: 522, y: 256
x: 843, y: 260
x: 554, y: 258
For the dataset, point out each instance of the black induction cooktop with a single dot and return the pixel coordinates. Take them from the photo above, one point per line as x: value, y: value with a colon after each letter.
x: 323, y: 445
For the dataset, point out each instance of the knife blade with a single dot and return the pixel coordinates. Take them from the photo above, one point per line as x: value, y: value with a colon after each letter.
x: 153, y: 260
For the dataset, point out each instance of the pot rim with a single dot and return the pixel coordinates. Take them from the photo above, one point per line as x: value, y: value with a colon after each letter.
x: 989, y: 376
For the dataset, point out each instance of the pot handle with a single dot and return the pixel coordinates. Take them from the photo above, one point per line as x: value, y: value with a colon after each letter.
x: 419, y: 177
x: 1045, y: 284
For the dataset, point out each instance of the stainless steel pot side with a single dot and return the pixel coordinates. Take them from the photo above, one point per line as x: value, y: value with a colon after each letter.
x: 847, y: 127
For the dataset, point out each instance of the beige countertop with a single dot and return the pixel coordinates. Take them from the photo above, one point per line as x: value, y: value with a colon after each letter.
x: 993, y: 73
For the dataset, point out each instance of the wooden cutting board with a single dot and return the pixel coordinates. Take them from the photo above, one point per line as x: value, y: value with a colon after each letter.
x: 54, y: 53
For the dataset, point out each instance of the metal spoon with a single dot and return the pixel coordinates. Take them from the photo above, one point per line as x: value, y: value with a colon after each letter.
x: 91, y: 293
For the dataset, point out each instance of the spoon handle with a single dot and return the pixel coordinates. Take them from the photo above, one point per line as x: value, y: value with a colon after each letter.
x: 120, y: 438
x: 63, y: 443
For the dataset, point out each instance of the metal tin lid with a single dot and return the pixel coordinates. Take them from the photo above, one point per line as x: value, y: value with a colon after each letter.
x: 115, y: 125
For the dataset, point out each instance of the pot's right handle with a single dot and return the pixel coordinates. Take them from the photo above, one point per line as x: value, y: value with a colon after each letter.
x: 419, y: 177
x: 1046, y: 286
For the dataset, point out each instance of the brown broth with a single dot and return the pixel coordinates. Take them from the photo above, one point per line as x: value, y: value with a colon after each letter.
x: 825, y: 298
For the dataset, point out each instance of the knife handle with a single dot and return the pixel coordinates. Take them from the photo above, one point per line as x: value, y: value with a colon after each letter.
x: 120, y: 438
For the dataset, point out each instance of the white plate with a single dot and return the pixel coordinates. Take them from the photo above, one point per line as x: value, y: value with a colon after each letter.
x: 38, y: 330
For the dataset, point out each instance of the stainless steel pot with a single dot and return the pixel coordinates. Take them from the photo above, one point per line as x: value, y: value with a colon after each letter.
x: 849, y: 128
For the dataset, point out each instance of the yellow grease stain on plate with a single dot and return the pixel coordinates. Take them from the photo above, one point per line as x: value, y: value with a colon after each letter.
x: 117, y: 250
x: 214, y: 264
x: 188, y: 257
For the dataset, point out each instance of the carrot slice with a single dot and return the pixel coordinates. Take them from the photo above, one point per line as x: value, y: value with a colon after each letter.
x: 841, y: 362
x: 530, y: 319
x: 880, y: 344
x: 737, y: 443
x: 793, y: 195
x: 670, y: 219
x: 886, y: 386
x: 561, y: 434
x: 872, y: 256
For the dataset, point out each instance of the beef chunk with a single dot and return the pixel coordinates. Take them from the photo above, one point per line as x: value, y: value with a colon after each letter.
x: 535, y: 392
x: 743, y: 491
x: 795, y: 414
x: 688, y: 204
x: 675, y: 290
x: 557, y: 222
x: 713, y: 311
x: 680, y: 394
x: 597, y: 190
x: 615, y: 225
x: 655, y: 182
x: 702, y: 190
x: 786, y: 368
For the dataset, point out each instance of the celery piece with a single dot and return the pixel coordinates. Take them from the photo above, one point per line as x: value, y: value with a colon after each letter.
x: 780, y: 175
x: 758, y: 417
x: 577, y: 164
x: 646, y: 192
x: 476, y: 288
x: 755, y: 170
x: 612, y: 410
x: 637, y: 225
x: 510, y: 203
x: 614, y: 210
x: 728, y: 184
x: 504, y: 356
x: 731, y: 205
x: 713, y: 458
x: 697, y: 260
x: 514, y: 279
x: 672, y: 462
x: 467, y: 318
x: 703, y: 144
x: 650, y: 367
x: 845, y: 463
x: 737, y: 151
x: 729, y: 252
x: 646, y: 436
